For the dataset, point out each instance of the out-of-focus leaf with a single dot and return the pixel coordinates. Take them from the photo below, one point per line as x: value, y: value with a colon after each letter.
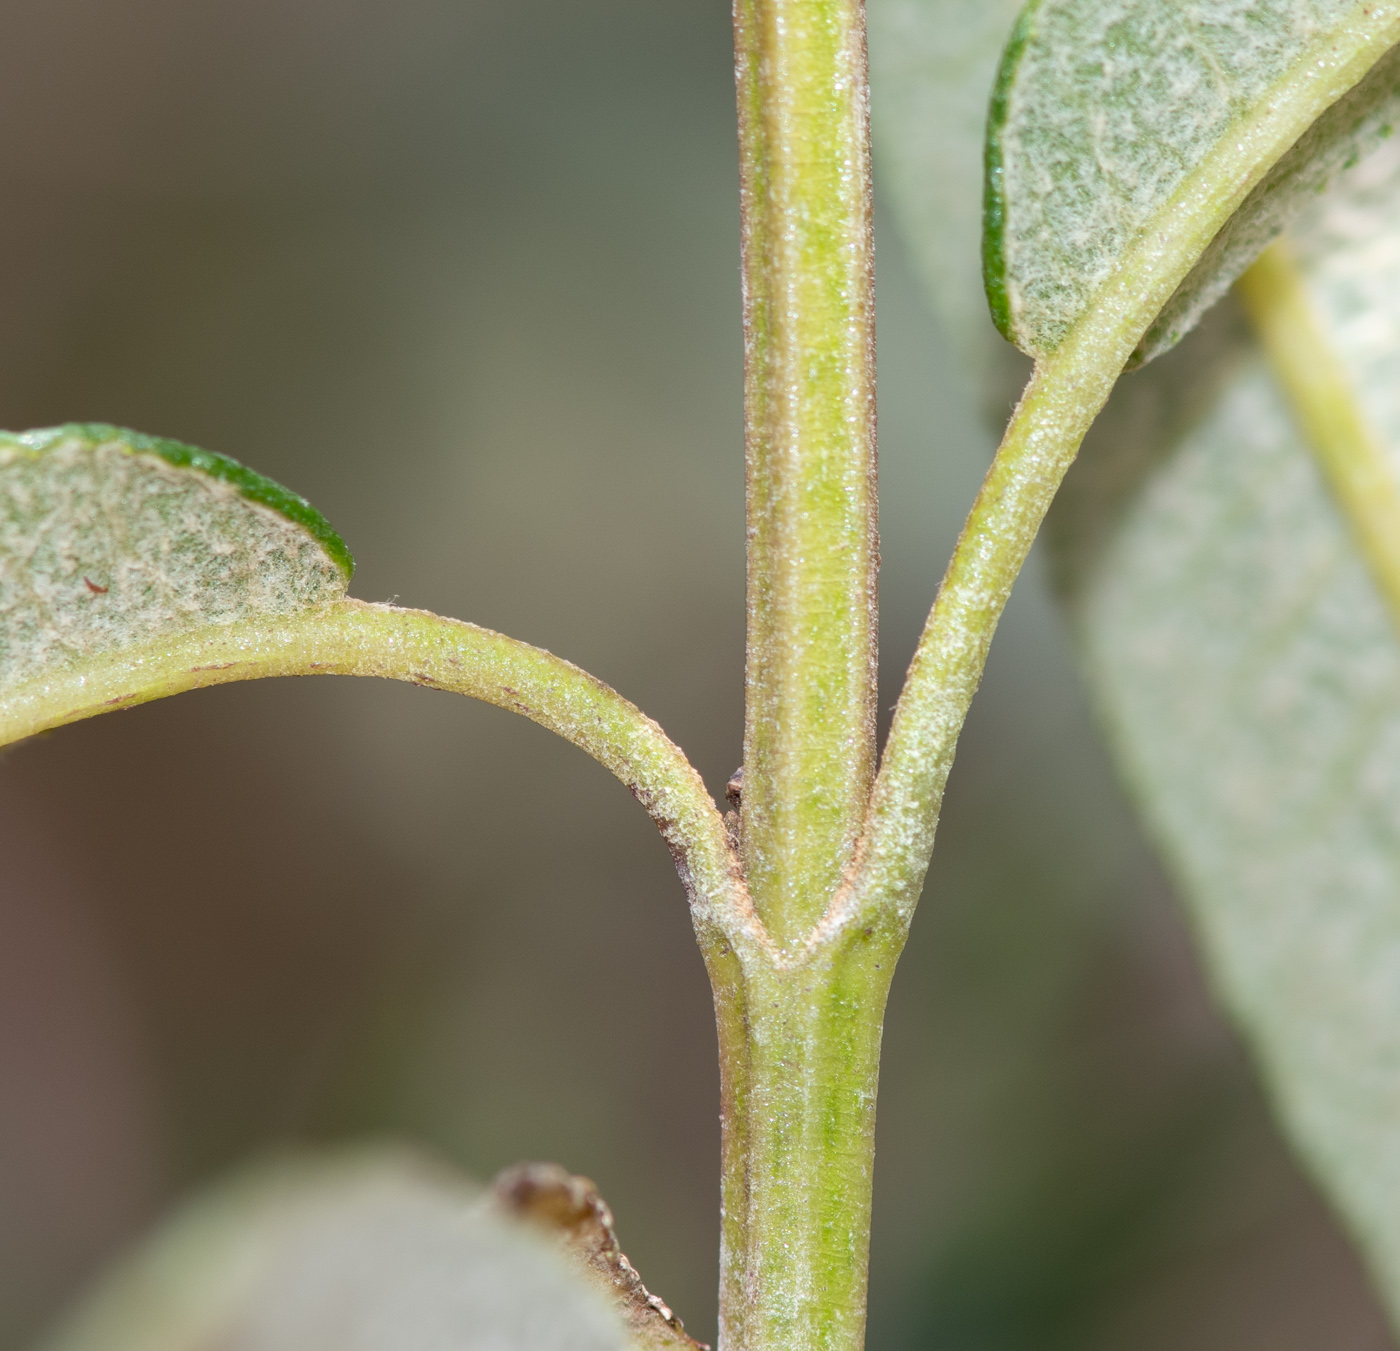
x: 1249, y: 672
x: 111, y: 543
x: 570, y: 1210
x: 1116, y: 122
x: 363, y: 1252
x: 1347, y: 245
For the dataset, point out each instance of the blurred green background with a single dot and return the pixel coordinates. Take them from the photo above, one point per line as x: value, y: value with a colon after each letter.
x: 466, y: 275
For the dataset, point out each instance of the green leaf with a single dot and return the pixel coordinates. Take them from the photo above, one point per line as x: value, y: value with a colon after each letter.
x: 365, y: 1251
x: 113, y: 543
x: 1248, y: 668
x: 1123, y: 135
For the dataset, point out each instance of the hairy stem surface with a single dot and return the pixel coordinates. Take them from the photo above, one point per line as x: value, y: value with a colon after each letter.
x: 799, y: 1114
x: 800, y: 1031
x: 809, y: 748
x: 1065, y: 394
x: 352, y: 637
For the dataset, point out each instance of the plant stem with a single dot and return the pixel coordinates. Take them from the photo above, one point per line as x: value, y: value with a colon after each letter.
x: 1352, y: 458
x: 809, y: 748
x: 799, y: 1117
x: 799, y: 1029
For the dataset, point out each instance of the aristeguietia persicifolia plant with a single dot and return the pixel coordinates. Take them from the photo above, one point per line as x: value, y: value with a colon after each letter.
x: 1229, y: 553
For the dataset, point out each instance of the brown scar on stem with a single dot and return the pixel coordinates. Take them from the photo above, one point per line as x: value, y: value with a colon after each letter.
x: 215, y: 666
x: 94, y: 588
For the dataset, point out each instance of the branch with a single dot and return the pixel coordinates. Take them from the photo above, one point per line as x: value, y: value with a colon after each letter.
x: 809, y: 325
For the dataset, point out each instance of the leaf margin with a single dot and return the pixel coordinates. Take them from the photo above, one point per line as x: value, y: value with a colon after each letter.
x: 248, y: 483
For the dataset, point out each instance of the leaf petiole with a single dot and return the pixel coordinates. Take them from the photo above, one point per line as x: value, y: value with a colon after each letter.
x: 354, y: 637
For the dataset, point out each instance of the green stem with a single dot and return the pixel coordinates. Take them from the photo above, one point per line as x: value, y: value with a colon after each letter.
x: 799, y: 1105
x: 1352, y: 458
x: 1067, y: 391
x: 799, y: 1030
x: 799, y: 1117
x: 1065, y: 394
x: 809, y: 746
x: 353, y: 637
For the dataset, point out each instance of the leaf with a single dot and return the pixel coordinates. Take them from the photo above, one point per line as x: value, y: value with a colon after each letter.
x: 932, y: 64
x: 112, y: 543
x: 1123, y: 134
x: 364, y: 1251
x: 1249, y: 672
x: 569, y: 1210
x: 1346, y: 133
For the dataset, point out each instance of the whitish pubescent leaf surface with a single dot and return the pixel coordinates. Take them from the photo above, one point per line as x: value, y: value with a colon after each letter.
x: 1108, y: 112
x: 372, y: 1252
x: 112, y: 542
x: 932, y: 64
x: 1350, y: 130
x: 1239, y: 650
x: 1249, y: 673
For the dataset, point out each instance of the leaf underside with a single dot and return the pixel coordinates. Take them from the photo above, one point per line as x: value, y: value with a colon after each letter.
x: 112, y: 542
x: 1249, y: 673
x: 1349, y: 131
x: 1102, y: 114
